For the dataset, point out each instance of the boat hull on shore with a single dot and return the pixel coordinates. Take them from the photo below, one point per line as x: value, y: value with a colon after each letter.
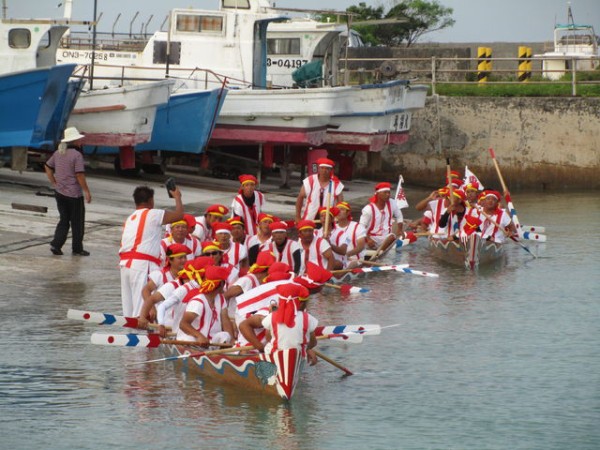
x: 275, y: 374
x: 471, y: 254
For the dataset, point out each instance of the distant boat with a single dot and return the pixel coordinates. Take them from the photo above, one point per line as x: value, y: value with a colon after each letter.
x: 34, y: 115
x: 119, y: 116
x: 233, y: 42
x: 32, y: 105
x: 575, y: 46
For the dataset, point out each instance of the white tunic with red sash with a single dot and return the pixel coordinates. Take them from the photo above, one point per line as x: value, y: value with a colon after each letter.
x: 286, y: 255
x: 316, y: 196
x: 235, y: 253
x: 249, y: 214
x: 379, y: 222
x: 353, y: 232
x: 314, y: 253
x: 208, y: 319
x: 284, y: 337
x: 139, y: 255
x: 492, y: 231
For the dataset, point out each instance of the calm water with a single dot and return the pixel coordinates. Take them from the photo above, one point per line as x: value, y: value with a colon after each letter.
x: 506, y: 358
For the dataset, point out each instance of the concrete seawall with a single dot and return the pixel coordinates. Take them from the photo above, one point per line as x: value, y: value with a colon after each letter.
x: 540, y: 143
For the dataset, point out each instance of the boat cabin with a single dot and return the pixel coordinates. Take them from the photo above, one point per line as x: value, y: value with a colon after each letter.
x: 27, y: 44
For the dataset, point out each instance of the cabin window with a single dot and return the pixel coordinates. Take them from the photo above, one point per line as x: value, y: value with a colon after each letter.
x: 283, y: 46
x: 199, y: 24
x: 19, y: 38
x: 159, y: 56
x: 240, y: 4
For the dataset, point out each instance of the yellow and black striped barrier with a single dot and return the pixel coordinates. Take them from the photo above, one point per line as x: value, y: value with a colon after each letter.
x: 484, y: 63
x: 525, y: 64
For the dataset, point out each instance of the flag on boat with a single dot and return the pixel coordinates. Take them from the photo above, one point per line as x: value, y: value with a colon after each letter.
x: 400, y: 197
x: 471, y: 177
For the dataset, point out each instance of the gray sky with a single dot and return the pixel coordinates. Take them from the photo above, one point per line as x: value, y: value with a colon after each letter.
x: 476, y: 21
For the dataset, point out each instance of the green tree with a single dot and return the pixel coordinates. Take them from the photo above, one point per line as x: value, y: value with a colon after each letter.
x: 423, y: 17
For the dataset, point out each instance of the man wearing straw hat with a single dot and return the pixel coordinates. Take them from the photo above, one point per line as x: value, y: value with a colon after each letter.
x: 65, y: 170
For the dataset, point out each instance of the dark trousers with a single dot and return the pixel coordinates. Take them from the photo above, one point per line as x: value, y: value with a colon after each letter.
x: 72, y: 214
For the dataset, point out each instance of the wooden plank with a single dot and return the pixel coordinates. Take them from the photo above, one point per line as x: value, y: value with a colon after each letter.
x: 25, y: 207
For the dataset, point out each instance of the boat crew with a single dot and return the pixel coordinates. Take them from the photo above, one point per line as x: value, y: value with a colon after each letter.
x: 234, y: 253
x: 169, y: 296
x: 314, y: 249
x: 382, y: 219
x: 261, y: 237
x: 248, y: 204
x: 176, y: 255
x: 205, y: 319
x: 179, y: 233
x: 335, y: 236
x: 452, y: 218
x: 213, y: 214
x: 258, y: 303
x: 284, y: 249
x: 496, y: 222
x: 355, y: 233
x: 238, y: 231
x: 140, y: 245
x: 290, y: 325
x: 314, y: 192
x: 214, y: 250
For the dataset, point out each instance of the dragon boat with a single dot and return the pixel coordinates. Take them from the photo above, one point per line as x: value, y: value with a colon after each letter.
x: 471, y: 253
x: 275, y: 374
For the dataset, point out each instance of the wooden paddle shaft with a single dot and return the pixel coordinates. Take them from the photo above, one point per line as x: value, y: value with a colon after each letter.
x: 498, y: 170
x: 191, y: 343
x: 332, y: 362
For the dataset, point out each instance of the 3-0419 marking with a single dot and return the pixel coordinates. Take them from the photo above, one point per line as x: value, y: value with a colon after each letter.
x: 285, y: 62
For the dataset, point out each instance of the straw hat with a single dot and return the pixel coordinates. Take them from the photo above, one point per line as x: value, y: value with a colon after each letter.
x: 72, y: 134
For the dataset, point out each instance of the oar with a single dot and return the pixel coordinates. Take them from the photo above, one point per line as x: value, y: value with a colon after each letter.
x: 347, y: 288
x: 363, y: 329
x: 347, y: 338
x: 140, y: 340
x: 327, y: 208
x: 533, y: 228
x: 332, y: 362
x: 404, y: 268
x: 198, y: 354
x: 369, y: 269
x: 534, y: 236
x: 418, y: 272
x: 507, y: 233
x: 449, y: 179
x: 509, y: 204
x: 100, y: 318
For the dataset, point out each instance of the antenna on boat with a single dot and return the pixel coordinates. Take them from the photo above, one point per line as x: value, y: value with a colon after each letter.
x: 115, y: 24
x: 131, y: 23
x: 570, y: 20
x: 163, y: 22
x: 93, y: 45
x: 144, y: 29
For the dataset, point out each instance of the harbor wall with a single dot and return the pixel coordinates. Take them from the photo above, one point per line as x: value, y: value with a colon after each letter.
x: 550, y: 143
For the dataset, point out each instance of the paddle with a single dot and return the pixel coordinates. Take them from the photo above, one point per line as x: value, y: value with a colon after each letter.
x: 507, y: 233
x: 347, y: 288
x: 99, y: 318
x: 365, y: 329
x: 140, y: 340
x: 533, y: 236
x: 332, y: 362
x: 402, y: 268
x: 509, y: 204
x: 348, y: 338
x: 449, y: 179
x: 368, y: 269
x: 534, y: 228
x: 327, y: 208
x: 197, y: 354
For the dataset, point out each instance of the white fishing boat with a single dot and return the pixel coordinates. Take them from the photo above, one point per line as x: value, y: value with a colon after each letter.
x: 203, y: 46
x: 119, y: 116
x: 575, y: 47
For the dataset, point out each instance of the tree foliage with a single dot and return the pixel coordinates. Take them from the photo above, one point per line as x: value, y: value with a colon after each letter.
x: 420, y: 17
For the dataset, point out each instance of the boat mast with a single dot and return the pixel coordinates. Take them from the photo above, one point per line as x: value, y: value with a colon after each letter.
x: 68, y: 9
x: 93, y: 46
